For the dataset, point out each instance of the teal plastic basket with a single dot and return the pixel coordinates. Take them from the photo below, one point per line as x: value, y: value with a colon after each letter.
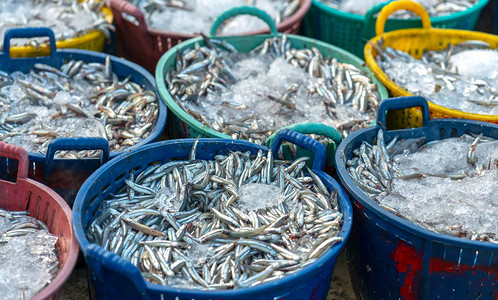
x: 351, y: 32
x: 181, y: 124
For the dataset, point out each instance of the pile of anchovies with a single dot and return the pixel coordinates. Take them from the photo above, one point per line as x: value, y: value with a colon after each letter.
x: 451, y: 89
x: 22, y: 225
x: 207, y: 69
x: 434, y: 8
x: 249, y: 247
x: 120, y: 111
x: 373, y: 169
x: 65, y: 12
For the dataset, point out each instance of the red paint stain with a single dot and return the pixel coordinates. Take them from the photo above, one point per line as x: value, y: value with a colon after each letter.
x: 444, y: 266
x: 409, y: 262
x: 314, y: 294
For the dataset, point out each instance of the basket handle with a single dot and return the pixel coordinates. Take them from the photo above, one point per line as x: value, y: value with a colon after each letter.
x: 109, y: 268
x: 302, y: 141
x: 311, y: 128
x: 402, y: 103
x: 124, y: 6
x: 399, y: 5
x: 28, y: 33
x: 17, y: 153
x: 80, y: 143
x: 243, y: 10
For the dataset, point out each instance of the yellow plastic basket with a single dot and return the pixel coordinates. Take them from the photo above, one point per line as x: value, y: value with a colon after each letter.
x: 415, y: 42
x: 93, y: 40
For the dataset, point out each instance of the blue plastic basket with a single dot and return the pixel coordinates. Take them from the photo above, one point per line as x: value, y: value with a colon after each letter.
x: 389, y: 257
x: 65, y: 176
x: 112, y: 277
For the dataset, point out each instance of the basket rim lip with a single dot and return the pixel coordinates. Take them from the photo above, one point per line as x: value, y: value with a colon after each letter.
x: 91, y: 55
x: 434, y: 20
x: 374, y: 207
x: 65, y: 271
x: 331, y: 254
x: 398, y: 90
x: 174, y: 108
x: 283, y: 26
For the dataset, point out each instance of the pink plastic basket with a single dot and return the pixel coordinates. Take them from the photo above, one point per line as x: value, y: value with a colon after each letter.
x: 144, y: 46
x: 45, y: 205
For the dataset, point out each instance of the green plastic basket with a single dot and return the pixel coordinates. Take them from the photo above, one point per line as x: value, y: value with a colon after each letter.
x: 181, y: 125
x: 351, y: 32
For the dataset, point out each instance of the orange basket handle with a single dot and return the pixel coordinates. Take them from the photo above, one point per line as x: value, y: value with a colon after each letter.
x: 399, y: 5
x: 18, y: 153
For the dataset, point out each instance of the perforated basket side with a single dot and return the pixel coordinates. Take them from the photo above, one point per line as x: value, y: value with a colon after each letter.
x: 45, y: 205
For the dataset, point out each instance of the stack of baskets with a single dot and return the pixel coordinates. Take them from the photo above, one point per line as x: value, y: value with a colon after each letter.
x: 388, y: 257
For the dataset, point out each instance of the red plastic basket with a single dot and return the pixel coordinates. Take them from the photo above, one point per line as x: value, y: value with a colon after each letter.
x: 45, y: 205
x: 144, y: 46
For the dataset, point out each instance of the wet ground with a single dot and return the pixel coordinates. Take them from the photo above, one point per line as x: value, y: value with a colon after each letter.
x: 76, y: 287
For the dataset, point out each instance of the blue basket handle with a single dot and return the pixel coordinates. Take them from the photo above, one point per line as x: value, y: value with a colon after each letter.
x: 311, y: 128
x: 79, y: 143
x: 302, y: 141
x: 104, y: 264
x: 243, y: 10
x: 402, y: 103
x: 28, y: 33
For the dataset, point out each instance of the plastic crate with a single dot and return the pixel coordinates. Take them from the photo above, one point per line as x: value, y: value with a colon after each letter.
x: 351, y: 31
x: 45, y: 205
x: 143, y: 45
x: 181, y: 124
x: 65, y: 176
x: 93, y: 40
x: 115, y: 278
x: 415, y: 42
x: 391, y: 258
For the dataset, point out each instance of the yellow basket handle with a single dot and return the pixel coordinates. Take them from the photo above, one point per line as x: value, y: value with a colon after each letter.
x: 399, y: 5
